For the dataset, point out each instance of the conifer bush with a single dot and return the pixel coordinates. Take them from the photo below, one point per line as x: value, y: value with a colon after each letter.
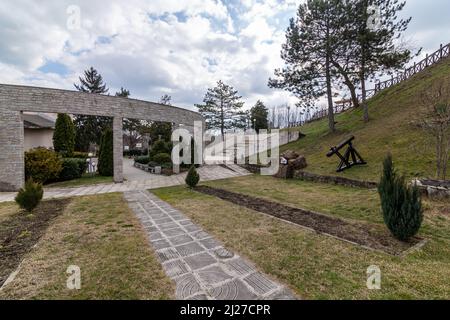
x: 30, y: 196
x: 64, y: 135
x: 193, y: 178
x: 401, y: 204
x: 106, y: 157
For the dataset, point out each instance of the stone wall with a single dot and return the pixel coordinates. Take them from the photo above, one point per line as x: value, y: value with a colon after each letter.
x: 17, y: 99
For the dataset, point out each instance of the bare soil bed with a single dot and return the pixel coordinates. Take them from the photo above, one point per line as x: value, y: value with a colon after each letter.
x: 22, y: 231
x: 366, y: 235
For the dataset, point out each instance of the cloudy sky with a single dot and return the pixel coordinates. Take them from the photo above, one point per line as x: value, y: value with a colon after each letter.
x: 175, y: 47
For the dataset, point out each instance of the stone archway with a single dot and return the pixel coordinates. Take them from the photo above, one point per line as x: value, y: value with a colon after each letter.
x: 17, y: 99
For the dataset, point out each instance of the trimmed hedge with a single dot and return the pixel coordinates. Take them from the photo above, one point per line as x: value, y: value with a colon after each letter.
x: 80, y: 155
x: 42, y: 165
x: 161, y: 158
x: 142, y: 159
x: 72, y: 169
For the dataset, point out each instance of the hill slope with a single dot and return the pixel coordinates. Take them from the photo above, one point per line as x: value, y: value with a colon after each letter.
x: 391, y: 129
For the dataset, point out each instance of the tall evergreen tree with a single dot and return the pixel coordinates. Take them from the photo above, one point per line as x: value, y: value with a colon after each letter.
x: 90, y: 128
x: 312, y: 44
x: 64, y: 135
x: 372, y: 40
x: 166, y: 99
x: 259, y: 116
x: 106, y: 154
x: 222, y: 108
x: 161, y: 130
x: 124, y: 93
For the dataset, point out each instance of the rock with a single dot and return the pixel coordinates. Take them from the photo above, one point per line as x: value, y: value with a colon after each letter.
x: 285, y: 172
x: 290, y: 155
x: 298, y: 164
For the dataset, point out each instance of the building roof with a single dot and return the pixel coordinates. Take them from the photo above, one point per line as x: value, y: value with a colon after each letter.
x: 36, y: 121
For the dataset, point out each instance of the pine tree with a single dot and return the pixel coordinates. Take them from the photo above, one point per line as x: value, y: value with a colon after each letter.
x: 106, y: 157
x: 192, y: 178
x: 312, y: 45
x: 64, y: 135
x: 89, y: 129
x: 372, y: 41
x: 124, y: 93
x: 222, y: 108
x: 259, y: 115
x: 161, y: 130
x: 401, y: 204
x: 166, y: 100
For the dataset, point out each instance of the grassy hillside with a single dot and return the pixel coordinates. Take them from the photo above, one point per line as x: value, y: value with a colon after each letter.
x: 391, y: 129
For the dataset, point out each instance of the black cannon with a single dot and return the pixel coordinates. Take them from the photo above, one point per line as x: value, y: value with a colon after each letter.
x: 350, y: 158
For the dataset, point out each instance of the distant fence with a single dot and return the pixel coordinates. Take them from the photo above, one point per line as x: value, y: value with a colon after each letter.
x: 442, y: 53
x: 430, y: 60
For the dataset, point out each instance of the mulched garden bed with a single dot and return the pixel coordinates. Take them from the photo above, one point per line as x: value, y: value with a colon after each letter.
x: 22, y: 231
x: 369, y: 236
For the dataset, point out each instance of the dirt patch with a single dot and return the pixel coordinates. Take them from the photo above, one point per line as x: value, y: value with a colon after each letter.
x: 363, y: 234
x: 20, y: 232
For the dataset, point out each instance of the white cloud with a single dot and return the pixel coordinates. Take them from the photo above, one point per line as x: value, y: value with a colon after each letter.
x: 153, y: 47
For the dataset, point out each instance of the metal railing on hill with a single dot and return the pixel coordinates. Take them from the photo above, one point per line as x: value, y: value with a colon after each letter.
x: 344, y: 105
x: 442, y: 53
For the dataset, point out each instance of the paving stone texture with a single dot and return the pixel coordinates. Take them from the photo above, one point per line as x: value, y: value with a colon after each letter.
x: 199, y: 264
x: 207, y: 173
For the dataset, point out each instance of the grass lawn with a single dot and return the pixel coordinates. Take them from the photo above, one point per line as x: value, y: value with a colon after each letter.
x: 101, y: 236
x: 313, y: 265
x: 86, y: 180
x: 393, y: 128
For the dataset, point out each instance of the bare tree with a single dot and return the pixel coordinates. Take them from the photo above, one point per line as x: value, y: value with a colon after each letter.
x: 436, y: 121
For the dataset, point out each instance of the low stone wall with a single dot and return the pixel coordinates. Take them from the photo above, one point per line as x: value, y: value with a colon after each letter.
x: 306, y: 176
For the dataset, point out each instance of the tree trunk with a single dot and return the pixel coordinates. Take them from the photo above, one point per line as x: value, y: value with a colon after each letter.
x: 348, y: 82
x: 364, y: 97
x: 331, y: 123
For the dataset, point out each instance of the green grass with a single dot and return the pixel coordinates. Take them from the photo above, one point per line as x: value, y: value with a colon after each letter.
x: 86, y: 180
x: 392, y: 128
x: 103, y: 237
x: 313, y: 265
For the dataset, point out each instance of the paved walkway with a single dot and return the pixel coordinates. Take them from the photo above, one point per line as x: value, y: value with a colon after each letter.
x: 207, y: 173
x: 200, y: 266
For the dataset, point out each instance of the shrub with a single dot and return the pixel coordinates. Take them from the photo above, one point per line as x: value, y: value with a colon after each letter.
x: 160, y: 146
x: 64, y: 135
x: 72, y: 169
x: 142, y: 159
x: 106, y: 160
x: 42, y: 165
x: 80, y: 155
x: 192, y: 178
x: 135, y: 153
x: 161, y: 158
x: 30, y: 196
x: 401, y: 204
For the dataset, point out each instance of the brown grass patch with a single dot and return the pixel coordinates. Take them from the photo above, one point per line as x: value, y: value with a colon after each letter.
x: 102, y: 236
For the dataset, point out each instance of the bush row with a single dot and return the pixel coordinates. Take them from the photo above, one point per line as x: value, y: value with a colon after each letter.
x: 135, y: 153
x: 43, y: 166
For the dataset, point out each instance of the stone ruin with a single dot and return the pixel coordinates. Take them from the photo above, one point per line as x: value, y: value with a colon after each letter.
x: 290, y: 162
